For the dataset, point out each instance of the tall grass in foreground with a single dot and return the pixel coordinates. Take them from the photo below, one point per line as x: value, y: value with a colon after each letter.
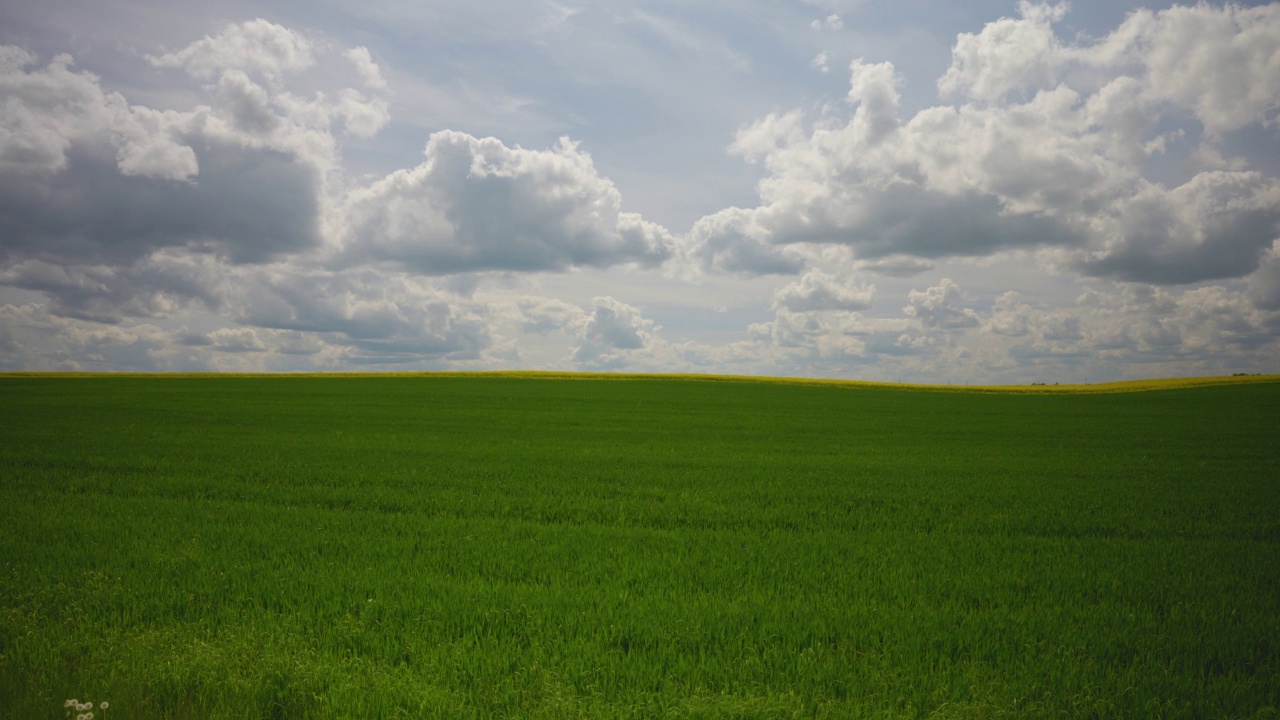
x: 553, y: 548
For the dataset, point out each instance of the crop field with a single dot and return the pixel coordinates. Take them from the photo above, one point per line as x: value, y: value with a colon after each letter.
x: 582, y: 547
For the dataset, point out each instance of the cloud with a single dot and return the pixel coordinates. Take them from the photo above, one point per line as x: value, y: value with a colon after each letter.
x: 248, y: 204
x: 819, y: 62
x: 49, y: 111
x: 39, y: 340
x: 236, y: 340
x: 940, y: 307
x: 85, y: 177
x: 819, y: 291
x: 368, y: 70
x: 256, y: 47
x: 1215, y: 226
x: 896, y: 266
x: 543, y: 315
x: 1008, y: 55
x: 1124, y: 158
x: 1138, y: 324
x: 735, y: 240
x: 830, y: 22
x: 477, y: 204
x: 376, y: 317
x: 610, y: 332
x: 162, y: 284
x: 107, y: 207
x: 1046, y: 147
x: 1221, y: 63
x: 1264, y: 285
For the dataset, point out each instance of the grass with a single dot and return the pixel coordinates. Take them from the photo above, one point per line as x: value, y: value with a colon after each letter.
x: 491, y: 546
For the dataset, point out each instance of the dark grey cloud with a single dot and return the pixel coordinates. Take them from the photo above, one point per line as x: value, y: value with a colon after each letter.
x: 248, y: 205
x: 159, y: 285
x: 115, y: 210
x: 1264, y: 285
x: 610, y: 333
x: 1218, y: 225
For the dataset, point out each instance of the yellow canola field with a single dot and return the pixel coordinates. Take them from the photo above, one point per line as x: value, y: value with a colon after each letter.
x: 1090, y: 388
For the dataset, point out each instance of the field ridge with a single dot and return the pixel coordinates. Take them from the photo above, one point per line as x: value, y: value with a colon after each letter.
x: 1118, y: 386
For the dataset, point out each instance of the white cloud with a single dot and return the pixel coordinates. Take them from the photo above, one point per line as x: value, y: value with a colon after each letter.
x: 940, y: 307
x: 236, y: 340
x: 368, y: 70
x: 477, y: 204
x: 1221, y: 63
x: 1026, y: 160
x: 231, y: 210
x: 362, y: 116
x: 830, y: 22
x: 820, y: 62
x: 817, y: 290
x: 1008, y: 55
x: 50, y: 110
x: 255, y: 47
x: 542, y: 315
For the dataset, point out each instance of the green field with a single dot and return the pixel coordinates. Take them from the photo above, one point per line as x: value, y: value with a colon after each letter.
x: 554, y: 547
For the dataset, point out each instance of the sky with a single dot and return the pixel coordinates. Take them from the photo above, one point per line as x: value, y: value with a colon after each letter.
x: 915, y: 191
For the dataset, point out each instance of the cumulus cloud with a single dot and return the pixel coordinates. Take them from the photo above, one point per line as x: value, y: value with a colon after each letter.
x: 49, y: 111
x: 610, y: 332
x: 132, y: 220
x: 1264, y: 285
x: 116, y: 212
x: 112, y: 209
x: 1214, y: 226
x: 368, y: 70
x: 87, y: 177
x: 1137, y: 324
x: 1206, y: 330
x: 1046, y: 147
x: 542, y: 315
x: 248, y: 204
x: 41, y: 340
x: 941, y: 307
x: 835, y: 337
x: 817, y: 290
x: 374, y: 316
x: 159, y: 285
x: 1221, y: 63
x: 256, y: 47
x: 477, y: 204
x: 1008, y: 55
